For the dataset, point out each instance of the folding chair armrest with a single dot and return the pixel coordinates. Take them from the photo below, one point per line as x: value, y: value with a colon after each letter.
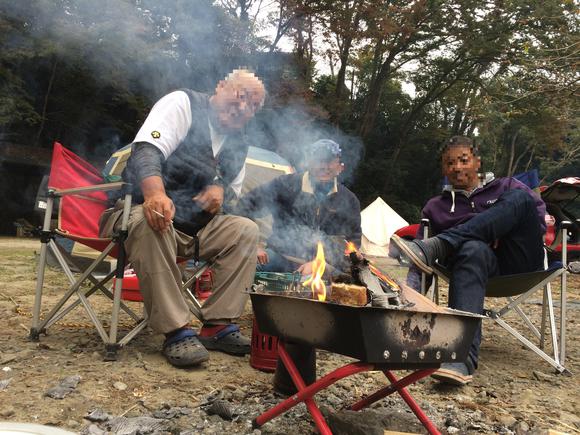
x: 105, y: 187
x: 566, y: 225
x: 426, y: 227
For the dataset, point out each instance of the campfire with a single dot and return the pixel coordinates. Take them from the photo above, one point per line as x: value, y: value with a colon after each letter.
x: 359, y: 283
x: 365, y: 285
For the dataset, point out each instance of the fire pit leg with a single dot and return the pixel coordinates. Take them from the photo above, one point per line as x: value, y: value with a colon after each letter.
x: 425, y: 421
x: 399, y: 386
x: 305, y: 393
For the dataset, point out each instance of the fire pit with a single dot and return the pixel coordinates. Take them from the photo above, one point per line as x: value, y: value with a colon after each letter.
x: 404, y: 330
x: 398, y: 336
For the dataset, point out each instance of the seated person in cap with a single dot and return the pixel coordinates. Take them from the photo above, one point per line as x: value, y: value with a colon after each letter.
x: 306, y: 208
x: 187, y: 153
x: 481, y: 228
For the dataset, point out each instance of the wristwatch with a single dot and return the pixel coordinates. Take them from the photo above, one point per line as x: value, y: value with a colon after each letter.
x: 218, y: 181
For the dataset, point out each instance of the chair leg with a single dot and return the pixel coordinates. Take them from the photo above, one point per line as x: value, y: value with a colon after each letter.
x: 563, y: 308
x: 34, y: 331
x: 117, y: 297
x: 559, y: 367
x: 527, y: 320
x: 543, y: 321
x: 552, y: 320
x: 45, y: 238
x: 194, y: 306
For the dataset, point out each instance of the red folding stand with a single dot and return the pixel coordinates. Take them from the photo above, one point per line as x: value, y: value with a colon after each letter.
x: 305, y: 393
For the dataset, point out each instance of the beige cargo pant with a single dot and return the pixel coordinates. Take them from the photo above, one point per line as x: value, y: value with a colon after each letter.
x: 230, y: 240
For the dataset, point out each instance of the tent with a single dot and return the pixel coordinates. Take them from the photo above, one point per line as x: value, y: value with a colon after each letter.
x: 263, y: 166
x: 378, y: 223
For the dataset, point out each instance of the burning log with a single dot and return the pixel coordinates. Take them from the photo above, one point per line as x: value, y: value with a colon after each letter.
x: 383, y: 291
x: 348, y: 294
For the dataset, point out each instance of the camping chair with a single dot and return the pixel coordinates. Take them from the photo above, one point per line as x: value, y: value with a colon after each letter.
x: 517, y: 289
x: 82, y: 197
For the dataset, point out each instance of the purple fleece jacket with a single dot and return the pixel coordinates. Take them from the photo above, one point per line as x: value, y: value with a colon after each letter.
x: 446, y: 210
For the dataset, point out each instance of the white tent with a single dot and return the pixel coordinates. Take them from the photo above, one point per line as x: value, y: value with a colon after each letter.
x: 379, y: 222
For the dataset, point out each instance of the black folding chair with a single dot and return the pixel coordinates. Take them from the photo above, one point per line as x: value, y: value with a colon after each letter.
x: 517, y: 289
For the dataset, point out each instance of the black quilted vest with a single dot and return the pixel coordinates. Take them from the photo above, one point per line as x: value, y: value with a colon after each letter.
x: 192, y: 166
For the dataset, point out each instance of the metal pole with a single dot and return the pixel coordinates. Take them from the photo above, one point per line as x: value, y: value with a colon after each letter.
x: 41, y: 266
x: 563, y: 284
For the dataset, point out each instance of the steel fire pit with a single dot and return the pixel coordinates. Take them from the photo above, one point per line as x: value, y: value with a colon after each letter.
x: 422, y: 335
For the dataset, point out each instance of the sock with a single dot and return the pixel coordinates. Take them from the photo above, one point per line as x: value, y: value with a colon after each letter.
x: 210, y: 330
x: 175, y: 331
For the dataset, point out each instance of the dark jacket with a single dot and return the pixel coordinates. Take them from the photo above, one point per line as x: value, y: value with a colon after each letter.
x: 192, y: 166
x: 301, y: 218
x: 453, y: 208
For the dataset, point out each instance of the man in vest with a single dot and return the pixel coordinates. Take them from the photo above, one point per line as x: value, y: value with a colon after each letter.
x: 188, y: 152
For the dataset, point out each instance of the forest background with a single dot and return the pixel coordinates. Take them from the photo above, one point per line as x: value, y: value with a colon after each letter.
x: 389, y: 80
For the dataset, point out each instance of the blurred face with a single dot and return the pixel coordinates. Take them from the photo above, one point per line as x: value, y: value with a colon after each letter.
x: 460, y: 167
x: 236, y: 101
x: 325, y: 171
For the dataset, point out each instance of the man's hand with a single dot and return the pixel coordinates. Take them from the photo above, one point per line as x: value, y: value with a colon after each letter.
x: 157, y: 207
x: 262, y: 256
x: 210, y: 199
x: 306, y: 269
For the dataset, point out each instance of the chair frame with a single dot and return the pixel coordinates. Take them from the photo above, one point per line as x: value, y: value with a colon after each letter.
x: 110, y: 338
x: 558, y: 355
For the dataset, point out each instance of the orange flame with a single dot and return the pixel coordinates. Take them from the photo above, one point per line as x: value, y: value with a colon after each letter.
x: 383, y: 277
x: 350, y: 247
x: 315, y: 281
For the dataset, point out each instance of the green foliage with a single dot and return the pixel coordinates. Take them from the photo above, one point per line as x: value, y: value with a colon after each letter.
x: 86, y: 73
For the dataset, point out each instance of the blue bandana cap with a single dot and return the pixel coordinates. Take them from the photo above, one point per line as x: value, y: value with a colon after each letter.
x: 324, y: 149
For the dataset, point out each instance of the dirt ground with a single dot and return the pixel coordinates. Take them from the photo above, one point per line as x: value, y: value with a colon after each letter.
x: 513, y: 391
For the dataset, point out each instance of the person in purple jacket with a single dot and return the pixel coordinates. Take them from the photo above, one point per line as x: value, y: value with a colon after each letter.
x: 480, y: 229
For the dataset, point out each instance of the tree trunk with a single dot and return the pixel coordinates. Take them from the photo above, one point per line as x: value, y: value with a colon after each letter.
x: 512, y: 154
x: 45, y: 105
x: 373, y: 99
x: 345, y: 52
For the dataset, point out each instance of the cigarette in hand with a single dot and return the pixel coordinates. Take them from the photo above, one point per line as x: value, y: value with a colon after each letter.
x: 161, y: 214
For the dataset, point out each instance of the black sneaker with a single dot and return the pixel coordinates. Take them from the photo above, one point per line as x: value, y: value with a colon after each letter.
x: 413, y: 252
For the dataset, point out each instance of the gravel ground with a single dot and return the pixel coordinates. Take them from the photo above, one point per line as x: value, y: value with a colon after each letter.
x: 513, y: 391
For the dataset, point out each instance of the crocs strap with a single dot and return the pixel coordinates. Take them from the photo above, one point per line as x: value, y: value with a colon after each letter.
x: 226, y: 331
x: 180, y: 335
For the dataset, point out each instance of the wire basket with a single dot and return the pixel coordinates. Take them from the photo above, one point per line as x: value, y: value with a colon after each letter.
x: 277, y: 281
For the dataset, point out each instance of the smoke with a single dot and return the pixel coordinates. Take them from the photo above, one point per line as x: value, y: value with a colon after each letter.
x: 146, y: 45
x: 144, y: 49
x: 291, y: 129
x: 152, y: 47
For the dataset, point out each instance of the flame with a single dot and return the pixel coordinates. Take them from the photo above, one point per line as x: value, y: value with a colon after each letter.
x: 315, y: 281
x: 350, y: 247
x: 383, y: 277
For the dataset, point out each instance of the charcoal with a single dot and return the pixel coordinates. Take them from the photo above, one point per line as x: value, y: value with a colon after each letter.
x: 221, y: 408
x: 64, y: 388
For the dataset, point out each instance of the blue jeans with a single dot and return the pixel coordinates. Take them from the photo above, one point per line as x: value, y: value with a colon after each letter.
x: 513, y: 221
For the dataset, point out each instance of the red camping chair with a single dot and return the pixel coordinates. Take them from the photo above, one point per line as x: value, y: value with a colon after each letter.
x: 82, y: 198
